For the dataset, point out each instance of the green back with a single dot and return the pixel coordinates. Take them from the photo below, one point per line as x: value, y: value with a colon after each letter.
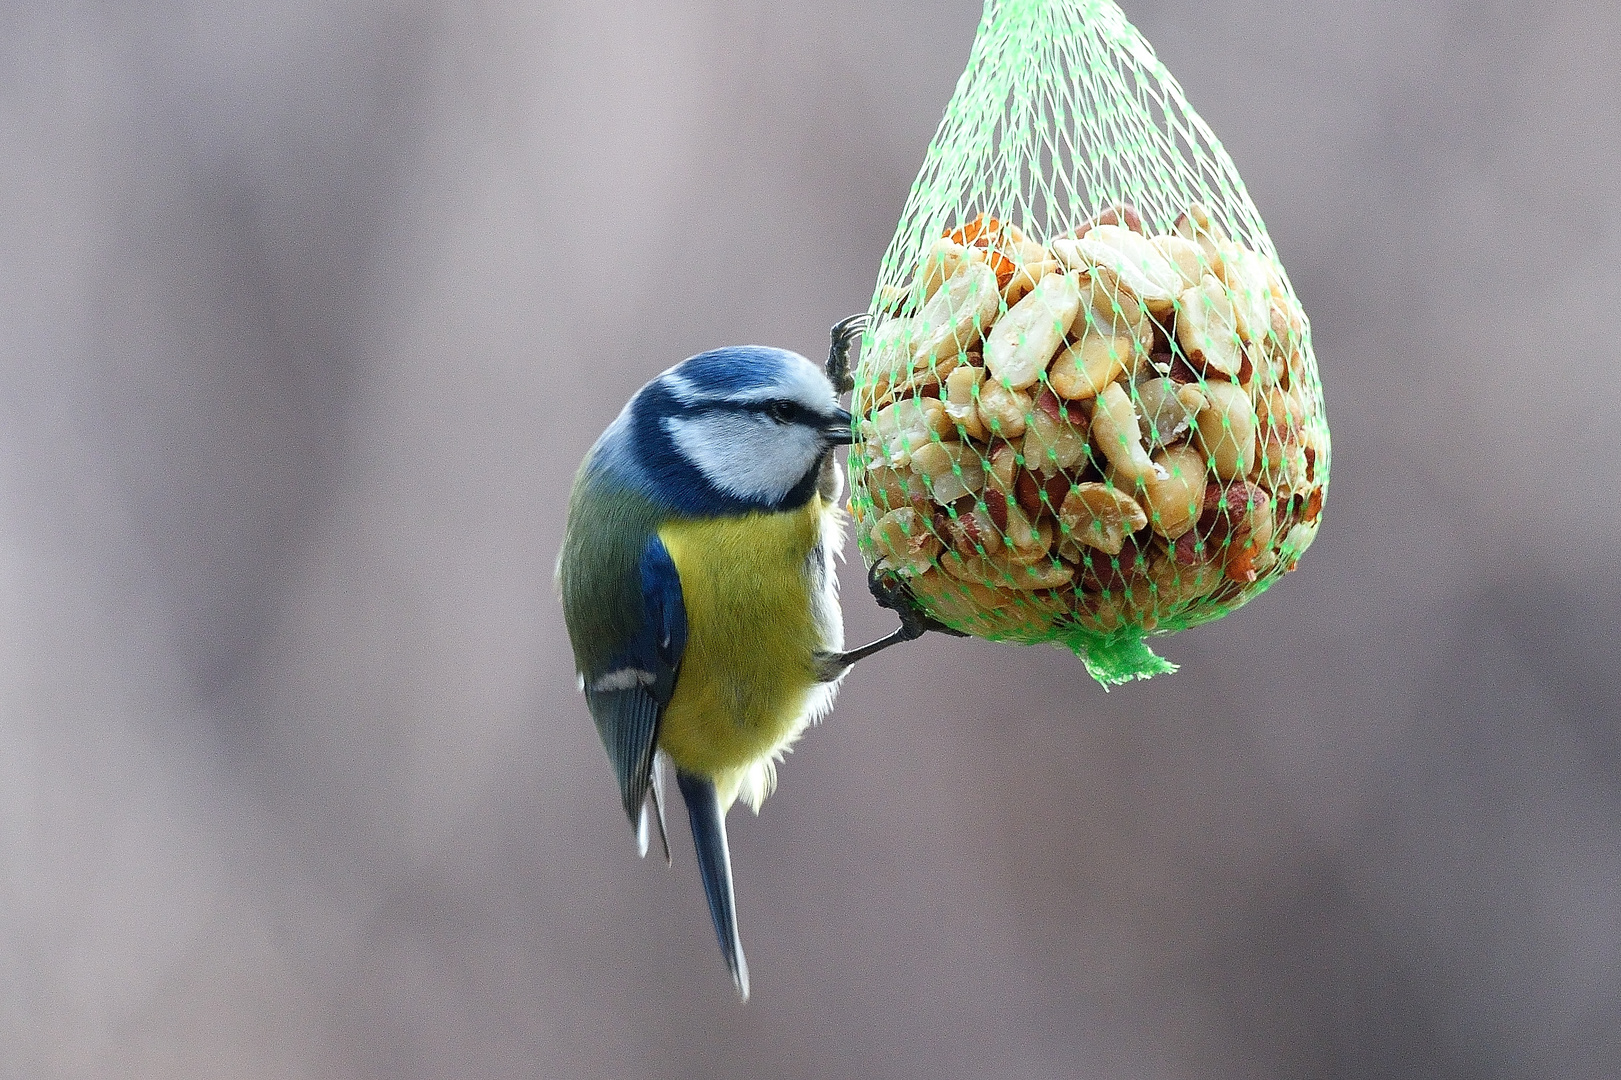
x: 598, y: 574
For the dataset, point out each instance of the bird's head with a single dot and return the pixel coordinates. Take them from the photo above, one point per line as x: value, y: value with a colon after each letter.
x: 729, y: 431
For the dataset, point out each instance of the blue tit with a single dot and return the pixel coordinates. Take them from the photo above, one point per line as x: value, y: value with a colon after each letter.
x: 697, y: 584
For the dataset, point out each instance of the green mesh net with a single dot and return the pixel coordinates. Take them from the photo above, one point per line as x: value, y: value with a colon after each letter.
x: 1088, y: 406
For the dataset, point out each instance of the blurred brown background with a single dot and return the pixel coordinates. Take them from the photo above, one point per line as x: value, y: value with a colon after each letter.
x: 308, y: 311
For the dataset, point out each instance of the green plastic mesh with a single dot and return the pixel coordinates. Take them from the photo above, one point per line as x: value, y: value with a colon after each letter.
x: 1088, y: 406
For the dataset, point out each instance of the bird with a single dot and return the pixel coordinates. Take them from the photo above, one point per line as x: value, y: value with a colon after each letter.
x: 698, y: 588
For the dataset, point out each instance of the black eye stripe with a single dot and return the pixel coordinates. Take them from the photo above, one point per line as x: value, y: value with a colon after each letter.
x: 781, y: 410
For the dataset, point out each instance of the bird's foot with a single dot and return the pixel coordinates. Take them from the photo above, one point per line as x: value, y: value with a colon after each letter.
x: 845, y: 332
x: 892, y: 591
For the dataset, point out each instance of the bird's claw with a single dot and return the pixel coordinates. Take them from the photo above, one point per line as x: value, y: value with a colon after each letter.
x: 892, y: 591
x: 844, y: 334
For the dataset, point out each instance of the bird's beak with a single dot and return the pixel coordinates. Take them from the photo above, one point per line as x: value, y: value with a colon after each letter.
x: 839, y: 431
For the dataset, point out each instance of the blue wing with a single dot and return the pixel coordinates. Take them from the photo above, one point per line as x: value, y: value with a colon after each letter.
x: 627, y: 700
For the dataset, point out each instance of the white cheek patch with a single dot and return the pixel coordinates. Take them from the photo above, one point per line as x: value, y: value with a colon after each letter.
x: 744, y: 454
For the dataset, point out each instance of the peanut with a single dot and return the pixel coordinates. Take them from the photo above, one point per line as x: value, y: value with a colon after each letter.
x: 1053, y: 442
x: 1244, y: 274
x: 997, y: 613
x: 1022, y: 342
x: 1279, y: 342
x: 887, y: 358
x: 1025, y: 278
x: 1185, y: 256
x: 997, y: 530
x: 962, y: 388
x: 1122, y: 570
x: 895, y: 431
x: 1206, y: 328
x: 1108, y: 309
x: 1176, y: 583
x: 1039, y: 494
x: 1138, y: 266
x: 1104, y: 615
x: 957, y: 315
x: 949, y: 470
x: 1002, y: 473
x: 924, y: 380
x: 1280, y: 412
x: 1296, y: 541
x: 965, y: 604
x: 940, y: 262
x: 1226, y: 430
x: 906, y: 540
x: 1275, y: 285
x: 1032, y: 262
x: 1168, y: 408
x: 1117, y: 434
x: 1314, y: 506
x: 1083, y: 369
x: 897, y: 373
x: 1042, y: 574
x: 893, y: 299
x: 1250, y: 356
x: 1280, y: 467
x: 1281, y: 462
x: 1101, y: 516
x: 1117, y: 214
x: 1314, y: 437
x: 892, y: 489
x: 1250, y: 534
x: 1294, y: 360
x: 1070, y: 549
x: 967, y: 531
x: 1195, y: 224
x: 1002, y: 411
x: 1045, y: 573
x: 1175, y: 502
x: 1236, y: 523
x: 1025, y: 541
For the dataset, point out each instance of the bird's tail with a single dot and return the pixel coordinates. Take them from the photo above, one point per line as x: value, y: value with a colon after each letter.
x: 715, y: 863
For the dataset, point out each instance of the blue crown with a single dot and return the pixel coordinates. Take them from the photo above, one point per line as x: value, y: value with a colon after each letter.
x: 723, y: 373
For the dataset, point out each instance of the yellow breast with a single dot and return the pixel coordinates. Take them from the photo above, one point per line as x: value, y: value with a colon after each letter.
x: 759, y: 603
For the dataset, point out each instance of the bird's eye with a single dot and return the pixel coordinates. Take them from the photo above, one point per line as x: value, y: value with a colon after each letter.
x: 783, y: 412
